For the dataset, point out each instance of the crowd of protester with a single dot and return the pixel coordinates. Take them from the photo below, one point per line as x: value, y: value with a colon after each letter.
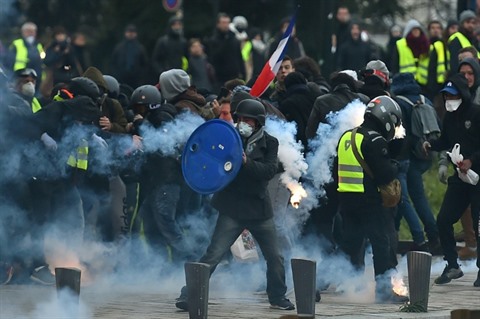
x: 62, y: 118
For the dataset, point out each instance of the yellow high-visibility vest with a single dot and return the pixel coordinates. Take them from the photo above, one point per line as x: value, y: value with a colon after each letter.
x: 36, y: 106
x: 21, y: 58
x: 350, y: 172
x: 79, y: 159
x: 464, y: 42
x: 409, y: 64
x: 246, y: 50
x: 184, y: 63
x: 443, y: 60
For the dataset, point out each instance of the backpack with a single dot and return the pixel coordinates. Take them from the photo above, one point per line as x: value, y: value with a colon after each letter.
x: 424, y: 124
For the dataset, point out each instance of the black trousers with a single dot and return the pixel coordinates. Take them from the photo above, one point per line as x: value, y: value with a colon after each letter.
x: 457, y: 198
x: 362, y: 220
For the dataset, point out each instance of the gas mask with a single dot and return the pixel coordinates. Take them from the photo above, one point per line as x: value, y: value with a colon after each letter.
x: 244, y: 129
x: 28, y: 89
x: 452, y: 105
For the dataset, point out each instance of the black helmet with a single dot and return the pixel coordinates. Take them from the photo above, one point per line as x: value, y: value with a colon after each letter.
x: 113, y: 86
x: 84, y: 86
x: 252, y: 109
x: 147, y: 95
x: 387, y: 113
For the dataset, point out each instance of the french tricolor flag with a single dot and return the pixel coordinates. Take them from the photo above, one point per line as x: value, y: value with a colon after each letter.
x: 271, y: 68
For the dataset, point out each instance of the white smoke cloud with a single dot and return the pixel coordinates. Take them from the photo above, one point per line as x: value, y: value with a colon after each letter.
x: 324, y: 146
x: 290, y: 154
x: 171, y: 136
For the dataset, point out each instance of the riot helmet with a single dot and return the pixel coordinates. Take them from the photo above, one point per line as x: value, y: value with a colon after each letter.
x: 386, y: 113
x: 252, y: 109
x: 84, y: 86
x: 113, y: 87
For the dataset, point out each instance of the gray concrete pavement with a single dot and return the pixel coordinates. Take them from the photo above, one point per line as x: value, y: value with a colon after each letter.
x: 151, y: 301
x: 155, y: 299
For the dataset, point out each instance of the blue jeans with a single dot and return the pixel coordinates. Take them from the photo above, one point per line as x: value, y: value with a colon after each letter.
x: 416, y: 191
x: 405, y: 208
x: 226, y: 232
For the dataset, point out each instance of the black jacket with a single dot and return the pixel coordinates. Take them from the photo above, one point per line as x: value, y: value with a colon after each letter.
x: 246, y: 197
x: 462, y: 126
x: 331, y: 102
x: 168, y: 52
x: 129, y: 62
x: 297, y: 107
x: 225, y: 55
x: 353, y: 55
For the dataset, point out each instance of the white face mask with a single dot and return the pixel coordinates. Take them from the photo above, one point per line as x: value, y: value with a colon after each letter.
x: 28, y: 89
x: 30, y: 39
x: 452, y: 105
x: 244, y: 129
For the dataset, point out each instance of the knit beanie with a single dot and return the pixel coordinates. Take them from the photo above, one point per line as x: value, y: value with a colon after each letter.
x: 381, y: 67
x: 173, y: 82
x: 465, y: 15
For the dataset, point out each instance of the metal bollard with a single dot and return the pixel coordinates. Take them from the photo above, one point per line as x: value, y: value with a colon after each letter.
x: 304, y: 282
x: 68, y: 278
x: 197, y: 276
x: 419, y: 266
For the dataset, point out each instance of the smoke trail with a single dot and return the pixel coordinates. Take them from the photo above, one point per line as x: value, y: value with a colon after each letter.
x: 324, y: 145
x: 290, y: 154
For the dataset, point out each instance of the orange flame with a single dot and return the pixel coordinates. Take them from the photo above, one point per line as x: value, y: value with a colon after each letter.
x: 298, y: 193
x: 399, y: 286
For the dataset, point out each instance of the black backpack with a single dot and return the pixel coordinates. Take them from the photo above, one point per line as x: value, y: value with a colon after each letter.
x: 424, y: 124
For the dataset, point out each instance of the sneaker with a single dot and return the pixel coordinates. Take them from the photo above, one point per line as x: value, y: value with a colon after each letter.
x: 477, y: 282
x: 283, y: 304
x: 6, y: 273
x: 467, y: 253
x: 43, y: 276
x: 390, y: 298
x: 182, y: 302
x: 448, y: 274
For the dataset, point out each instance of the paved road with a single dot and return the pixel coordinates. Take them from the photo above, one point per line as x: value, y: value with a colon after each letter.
x: 155, y: 300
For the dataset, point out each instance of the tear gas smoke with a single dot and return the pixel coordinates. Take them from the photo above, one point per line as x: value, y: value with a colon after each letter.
x: 290, y: 155
x: 171, y: 136
x: 324, y: 146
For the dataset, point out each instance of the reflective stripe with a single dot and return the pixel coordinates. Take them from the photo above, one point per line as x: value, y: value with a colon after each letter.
x: 21, y: 58
x: 406, y: 60
x: 350, y: 172
x: 409, y: 64
x: 350, y: 168
x: 443, y: 60
x: 36, y: 106
x: 350, y: 180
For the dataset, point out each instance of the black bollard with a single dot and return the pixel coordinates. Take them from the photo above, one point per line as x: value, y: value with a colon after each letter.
x: 419, y: 265
x: 197, y: 276
x: 68, y: 278
x: 304, y: 282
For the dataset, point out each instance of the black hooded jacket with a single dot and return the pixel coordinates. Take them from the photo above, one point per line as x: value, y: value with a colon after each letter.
x: 474, y: 91
x: 461, y: 126
x: 340, y: 96
x: 298, y: 103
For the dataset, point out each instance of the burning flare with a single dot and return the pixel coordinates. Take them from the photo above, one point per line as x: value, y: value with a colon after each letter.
x: 298, y: 192
x: 399, y: 286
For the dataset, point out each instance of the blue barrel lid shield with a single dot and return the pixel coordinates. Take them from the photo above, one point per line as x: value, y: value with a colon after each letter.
x: 212, y: 156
